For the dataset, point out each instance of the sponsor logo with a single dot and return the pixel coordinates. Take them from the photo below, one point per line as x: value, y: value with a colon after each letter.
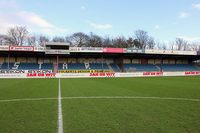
x: 43, y: 75
x: 152, y: 73
x: 102, y: 74
x: 24, y: 71
x: 82, y: 71
x: 86, y: 49
x: 21, y: 48
x: 193, y: 73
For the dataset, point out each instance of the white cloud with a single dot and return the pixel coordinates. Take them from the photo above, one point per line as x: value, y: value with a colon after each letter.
x: 190, y: 38
x: 157, y: 27
x: 83, y: 8
x: 184, y: 15
x: 33, y: 21
x: 100, y: 26
x: 196, y: 6
x: 8, y: 4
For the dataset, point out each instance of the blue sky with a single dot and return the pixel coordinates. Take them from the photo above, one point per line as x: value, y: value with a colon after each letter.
x: 163, y: 19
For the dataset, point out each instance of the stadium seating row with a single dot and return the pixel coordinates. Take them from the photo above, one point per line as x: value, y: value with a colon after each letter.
x: 100, y: 66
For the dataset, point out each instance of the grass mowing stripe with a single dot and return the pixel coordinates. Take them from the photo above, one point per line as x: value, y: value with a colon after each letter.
x: 60, y: 116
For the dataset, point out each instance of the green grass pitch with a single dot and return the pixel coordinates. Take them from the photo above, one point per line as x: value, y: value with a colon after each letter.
x: 101, y: 115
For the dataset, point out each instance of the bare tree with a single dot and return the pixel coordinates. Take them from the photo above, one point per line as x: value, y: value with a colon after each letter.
x: 4, y: 40
x: 181, y: 44
x: 164, y: 46
x: 161, y: 45
x: 78, y: 39
x: 151, y: 43
x: 42, y: 40
x: 58, y: 39
x: 130, y: 42
x: 107, y: 42
x: 17, y: 35
x: 143, y: 40
x: 194, y: 46
x: 120, y: 42
x: 31, y: 40
x: 142, y: 37
x: 137, y: 43
x: 95, y: 41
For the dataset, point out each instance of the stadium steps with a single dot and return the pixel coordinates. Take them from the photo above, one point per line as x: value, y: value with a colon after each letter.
x: 115, y: 68
x: 158, y: 67
x: 120, y: 70
x: 109, y: 66
x: 198, y: 67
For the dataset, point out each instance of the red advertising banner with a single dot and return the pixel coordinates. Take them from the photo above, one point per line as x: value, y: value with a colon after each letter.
x: 21, y: 48
x: 40, y: 75
x: 152, y: 73
x: 192, y: 73
x: 102, y: 74
x: 113, y: 50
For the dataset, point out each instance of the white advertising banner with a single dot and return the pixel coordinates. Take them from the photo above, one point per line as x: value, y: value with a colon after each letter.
x: 173, y: 52
x: 39, y: 49
x: 86, y: 49
x: 96, y: 74
x: 56, y: 51
x: 4, y: 48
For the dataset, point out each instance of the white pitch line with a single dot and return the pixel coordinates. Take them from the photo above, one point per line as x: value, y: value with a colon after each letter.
x: 60, y: 116
x: 101, y: 97
x: 133, y: 97
x: 27, y: 99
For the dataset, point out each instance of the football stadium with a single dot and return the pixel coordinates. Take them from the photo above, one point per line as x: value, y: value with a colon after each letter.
x: 99, y: 66
x: 58, y: 88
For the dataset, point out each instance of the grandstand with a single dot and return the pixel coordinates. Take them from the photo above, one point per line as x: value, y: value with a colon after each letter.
x: 87, y: 60
x: 94, y: 60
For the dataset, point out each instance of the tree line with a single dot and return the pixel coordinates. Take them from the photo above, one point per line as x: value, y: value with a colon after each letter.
x: 20, y: 36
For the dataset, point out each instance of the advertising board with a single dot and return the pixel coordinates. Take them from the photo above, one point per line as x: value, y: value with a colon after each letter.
x: 131, y: 50
x: 21, y: 48
x: 173, y: 52
x: 86, y: 49
x: 95, y: 74
x: 113, y: 50
x: 4, y: 48
x: 56, y: 51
